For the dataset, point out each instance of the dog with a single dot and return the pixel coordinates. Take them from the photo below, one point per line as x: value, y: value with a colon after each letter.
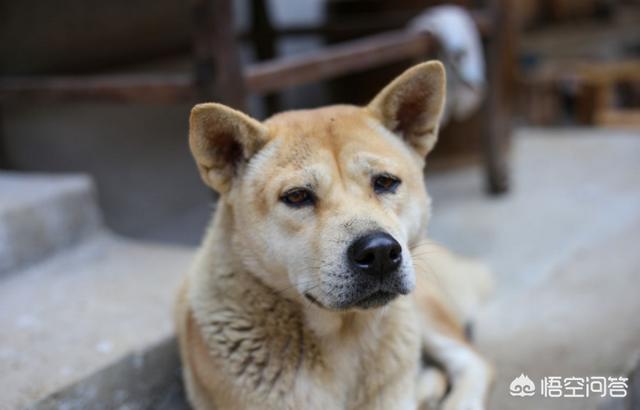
x: 315, y: 286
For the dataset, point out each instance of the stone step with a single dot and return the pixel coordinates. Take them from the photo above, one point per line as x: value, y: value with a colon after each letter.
x: 82, y: 309
x: 42, y: 214
x: 564, y: 244
x: 148, y: 379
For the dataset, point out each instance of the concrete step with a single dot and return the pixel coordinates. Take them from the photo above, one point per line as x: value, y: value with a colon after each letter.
x: 563, y: 243
x: 148, y: 379
x: 83, y: 309
x: 42, y: 214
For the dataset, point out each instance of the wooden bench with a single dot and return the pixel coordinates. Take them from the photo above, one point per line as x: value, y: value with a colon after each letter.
x: 219, y: 75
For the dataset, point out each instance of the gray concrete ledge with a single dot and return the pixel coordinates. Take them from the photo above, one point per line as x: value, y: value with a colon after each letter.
x: 42, y: 214
x: 144, y: 380
x: 83, y: 309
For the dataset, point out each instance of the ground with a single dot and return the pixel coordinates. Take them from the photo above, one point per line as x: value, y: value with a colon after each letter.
x: 564, y: 245
x: 563, y: 242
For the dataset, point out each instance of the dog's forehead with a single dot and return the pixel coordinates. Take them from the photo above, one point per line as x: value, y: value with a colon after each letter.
x: 316, y: 117
x: 307, y: 134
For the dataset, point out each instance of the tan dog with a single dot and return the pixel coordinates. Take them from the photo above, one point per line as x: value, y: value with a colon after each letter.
x: 314, y: 287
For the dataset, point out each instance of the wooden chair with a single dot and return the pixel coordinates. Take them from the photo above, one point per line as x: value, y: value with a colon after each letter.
x: 219, y: 75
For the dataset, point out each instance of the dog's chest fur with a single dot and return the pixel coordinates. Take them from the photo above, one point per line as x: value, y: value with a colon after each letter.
x: 263, y: 344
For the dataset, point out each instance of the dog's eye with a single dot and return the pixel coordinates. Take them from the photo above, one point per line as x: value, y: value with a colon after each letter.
x: 385, y: 183
x: 298, y: 197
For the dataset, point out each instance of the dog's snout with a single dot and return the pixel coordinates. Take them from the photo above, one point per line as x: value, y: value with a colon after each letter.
x: 376, y: 254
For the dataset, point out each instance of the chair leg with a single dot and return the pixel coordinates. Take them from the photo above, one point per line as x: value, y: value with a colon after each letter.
x: 218, y: 70
x: 499, y: 115
x: 4, y: 158
x: 265, y: 45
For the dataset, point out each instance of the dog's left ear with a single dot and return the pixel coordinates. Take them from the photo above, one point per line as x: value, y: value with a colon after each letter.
x: 412, y: 104
x: 222, y: 140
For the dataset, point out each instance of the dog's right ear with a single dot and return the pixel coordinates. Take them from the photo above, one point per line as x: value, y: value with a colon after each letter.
x: 222, y: 140
x: 411, y: 105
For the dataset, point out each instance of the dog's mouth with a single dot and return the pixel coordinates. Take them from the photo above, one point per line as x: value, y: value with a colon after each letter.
x: 313, y: 300
x: 374, y: 300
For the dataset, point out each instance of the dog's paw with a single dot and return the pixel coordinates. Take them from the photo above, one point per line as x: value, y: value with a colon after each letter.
x: 431, y: 388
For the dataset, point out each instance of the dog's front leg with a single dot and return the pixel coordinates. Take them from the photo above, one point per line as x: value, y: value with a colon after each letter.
x: 469, y: 374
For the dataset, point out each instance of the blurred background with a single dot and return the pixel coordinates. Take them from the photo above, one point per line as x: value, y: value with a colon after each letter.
x: 536, y: 173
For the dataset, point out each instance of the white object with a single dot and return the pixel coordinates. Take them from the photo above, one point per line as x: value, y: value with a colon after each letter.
x: 462, y: 56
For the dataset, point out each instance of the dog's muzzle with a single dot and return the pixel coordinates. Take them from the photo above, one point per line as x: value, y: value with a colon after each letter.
x: 375, y: 258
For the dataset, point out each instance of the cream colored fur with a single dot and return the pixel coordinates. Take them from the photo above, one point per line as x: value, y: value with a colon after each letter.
x: 249, y: 336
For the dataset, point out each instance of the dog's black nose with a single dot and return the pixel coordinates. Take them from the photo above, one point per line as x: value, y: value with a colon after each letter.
x: 376, y: 254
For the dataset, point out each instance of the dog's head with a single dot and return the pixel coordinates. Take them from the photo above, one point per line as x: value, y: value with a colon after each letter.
x: 327, y: 202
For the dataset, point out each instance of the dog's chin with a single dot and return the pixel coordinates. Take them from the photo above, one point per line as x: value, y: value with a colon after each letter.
x: 376, y: 299
x: 373, y: 300
x: 364, y: 294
